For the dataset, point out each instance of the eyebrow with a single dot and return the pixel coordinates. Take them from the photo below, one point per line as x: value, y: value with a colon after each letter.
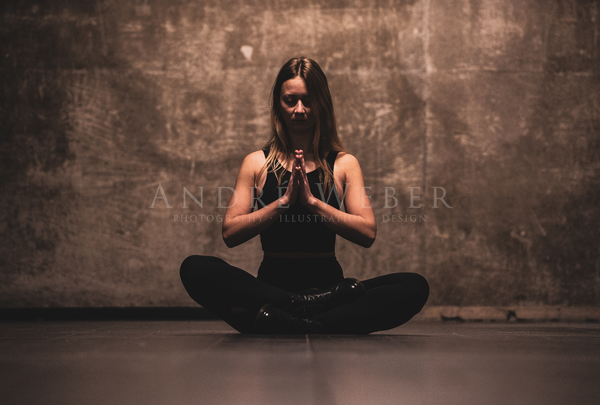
x: 295, y: 95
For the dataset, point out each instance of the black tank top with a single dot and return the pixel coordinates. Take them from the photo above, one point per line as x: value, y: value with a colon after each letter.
x: 299, y: 230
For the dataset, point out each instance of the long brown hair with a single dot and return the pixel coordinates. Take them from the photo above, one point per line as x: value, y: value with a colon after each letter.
x: 325, y: 137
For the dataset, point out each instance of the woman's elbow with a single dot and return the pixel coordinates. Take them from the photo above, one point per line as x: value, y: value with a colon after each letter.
x: 228, y: 242
x: 369, y: 242
x: 229, y: 239
x: 368, y: 238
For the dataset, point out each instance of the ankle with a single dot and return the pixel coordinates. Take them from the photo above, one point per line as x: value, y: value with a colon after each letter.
x: 313, y: 302
x: 272, y: 320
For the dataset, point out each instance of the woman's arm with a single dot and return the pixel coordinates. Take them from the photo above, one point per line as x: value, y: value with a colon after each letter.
x: 241, y: 223
x: 357, y: 224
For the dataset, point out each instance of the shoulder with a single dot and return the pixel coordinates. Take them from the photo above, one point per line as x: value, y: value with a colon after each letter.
x: 347, y: 168
x: 252, y: 164
x: 254, y: 160
x: 346, y: 161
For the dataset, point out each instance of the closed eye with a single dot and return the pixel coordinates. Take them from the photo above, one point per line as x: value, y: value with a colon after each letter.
x: 292, y: 101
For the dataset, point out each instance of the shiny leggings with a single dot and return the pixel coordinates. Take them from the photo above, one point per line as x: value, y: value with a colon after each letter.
x: 236, y: 296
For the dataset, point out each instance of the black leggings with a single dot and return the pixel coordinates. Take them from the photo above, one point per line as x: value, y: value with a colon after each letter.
x: 236, y: 296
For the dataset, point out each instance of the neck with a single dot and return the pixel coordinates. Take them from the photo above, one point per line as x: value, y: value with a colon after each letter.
x: 302, y: 140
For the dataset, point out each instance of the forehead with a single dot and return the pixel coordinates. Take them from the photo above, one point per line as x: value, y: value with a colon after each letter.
x: 295, y: 86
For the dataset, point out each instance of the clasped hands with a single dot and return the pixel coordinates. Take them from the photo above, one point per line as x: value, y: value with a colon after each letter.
x: 298, y: 188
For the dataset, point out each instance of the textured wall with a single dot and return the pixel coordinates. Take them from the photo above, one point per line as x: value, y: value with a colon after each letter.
x: 495, y: 101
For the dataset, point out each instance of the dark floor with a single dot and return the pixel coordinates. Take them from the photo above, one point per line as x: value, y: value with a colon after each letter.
x: 205, y: 362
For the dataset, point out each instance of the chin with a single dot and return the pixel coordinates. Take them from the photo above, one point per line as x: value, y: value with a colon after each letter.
x: 301, y: 125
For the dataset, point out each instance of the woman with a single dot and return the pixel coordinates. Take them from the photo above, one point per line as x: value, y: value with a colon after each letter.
x: 291, y: 195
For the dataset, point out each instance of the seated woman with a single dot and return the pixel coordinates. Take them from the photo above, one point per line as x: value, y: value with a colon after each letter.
x: 290, y: 194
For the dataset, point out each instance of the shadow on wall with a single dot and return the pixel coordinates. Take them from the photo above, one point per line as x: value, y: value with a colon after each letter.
x: 82, y: 135
x: 517, y: 147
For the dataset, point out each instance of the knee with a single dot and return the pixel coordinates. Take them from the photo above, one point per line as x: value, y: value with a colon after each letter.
x: 188, y: 265
x: 421, y: 288
x: 421, y: 284
x: 187, y: 268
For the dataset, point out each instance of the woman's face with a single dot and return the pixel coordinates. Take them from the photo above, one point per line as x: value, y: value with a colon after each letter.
x: 296, y: 107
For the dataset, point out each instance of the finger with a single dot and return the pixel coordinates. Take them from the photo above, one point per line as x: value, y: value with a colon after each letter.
x: 295, y: 169
x: 300, y: 160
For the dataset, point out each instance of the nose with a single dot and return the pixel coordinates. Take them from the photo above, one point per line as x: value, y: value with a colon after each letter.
x: 299, y: 109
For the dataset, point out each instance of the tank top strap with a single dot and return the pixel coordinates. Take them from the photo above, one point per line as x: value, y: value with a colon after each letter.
x: 331, y: 159
x: 271, y: 167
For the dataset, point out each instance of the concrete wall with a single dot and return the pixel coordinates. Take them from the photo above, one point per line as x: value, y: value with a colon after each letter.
x: 496, y: 102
